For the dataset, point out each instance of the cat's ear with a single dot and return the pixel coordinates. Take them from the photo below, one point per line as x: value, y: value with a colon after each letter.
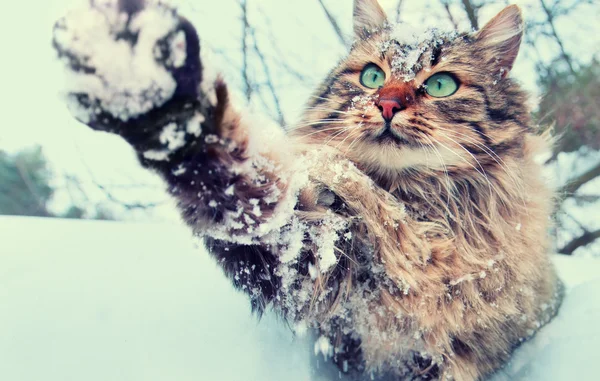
x: 368, y: 16
x: 501, y: 37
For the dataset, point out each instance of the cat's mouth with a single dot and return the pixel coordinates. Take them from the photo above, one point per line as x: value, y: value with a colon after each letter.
x: 389, y: 135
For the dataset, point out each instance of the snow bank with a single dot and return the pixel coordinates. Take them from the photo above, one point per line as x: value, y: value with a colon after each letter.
x: 566, y: 349
x: 103, y: 301
x: 108, y: 301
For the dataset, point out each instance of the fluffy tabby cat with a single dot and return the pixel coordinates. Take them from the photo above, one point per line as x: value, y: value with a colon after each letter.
x: 404, y: 218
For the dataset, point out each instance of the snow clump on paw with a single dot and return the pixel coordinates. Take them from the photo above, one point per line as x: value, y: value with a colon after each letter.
x: 114, y: 59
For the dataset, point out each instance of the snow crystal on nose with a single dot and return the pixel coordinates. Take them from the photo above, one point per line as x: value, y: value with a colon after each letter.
x: 408, y: 45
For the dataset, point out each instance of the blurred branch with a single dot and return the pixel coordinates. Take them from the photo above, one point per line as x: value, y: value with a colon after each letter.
x: 270, y: 85
x: 249, y: 41
x: 471, y: 11
x: 530, y: 35
x: 563, y: 52
x: 398, y: 10
x: 574, y: 184
x: 586, y: 198
x: 446, y: 6
x: 334, y: 24
x: 128, y: 205
x: 585, y: 239
x: 281, y: 57
x: 288, y: 68
x: 227, y: 59
x: 76, y: 182
x: 245, y: 36
x: 73, y: 181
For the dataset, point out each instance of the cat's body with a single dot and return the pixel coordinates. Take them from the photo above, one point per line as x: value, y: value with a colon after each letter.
x: 409, y: 229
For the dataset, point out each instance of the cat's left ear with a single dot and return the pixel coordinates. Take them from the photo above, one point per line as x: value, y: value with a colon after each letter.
x: 368, y: 17
x: 501, y: 37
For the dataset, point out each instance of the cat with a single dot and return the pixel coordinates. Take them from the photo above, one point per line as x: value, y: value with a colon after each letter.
x: 404, y: 218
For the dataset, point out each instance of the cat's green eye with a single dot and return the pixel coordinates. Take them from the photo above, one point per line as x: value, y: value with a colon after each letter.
x: 372, y: 76
x: 441, y: 85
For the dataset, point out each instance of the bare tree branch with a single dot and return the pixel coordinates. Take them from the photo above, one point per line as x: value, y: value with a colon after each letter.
x: 128, y: 205
x: 334, y: 24
x: 245, y: 59
x: 574, y: 184
x: 579, y: 224
x: 446, y: 6
x: 563, y: 52
x: 282, y: 58
x: 399, y: 10
x: 269, y: 79
x: 586, y: 198
x: 530, y: 39
x: 585, y: 239
x: 471, y: 11
x: 75, y: 182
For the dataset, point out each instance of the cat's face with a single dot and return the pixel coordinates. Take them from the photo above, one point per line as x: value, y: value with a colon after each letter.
x: 436, y: 101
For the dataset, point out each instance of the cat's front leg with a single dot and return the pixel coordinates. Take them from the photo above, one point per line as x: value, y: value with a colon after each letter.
x: 135, y: 70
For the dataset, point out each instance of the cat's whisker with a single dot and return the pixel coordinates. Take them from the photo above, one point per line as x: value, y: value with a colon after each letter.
x: 491, y: 186
x: 449, y: 183
x: 480, y: 170
x: 312, y: 124
x: 322, y: 130
x: 342, y: 253
x: 453, y: 210
x: 518, y: 185
x: 326, y: 99
x: 336, y: 135
x: 330, y: 110
x: 357, y: 139
x: 323, y: 123
x: 488, y: 151
x: 342, y: 142
x: 320, y: 121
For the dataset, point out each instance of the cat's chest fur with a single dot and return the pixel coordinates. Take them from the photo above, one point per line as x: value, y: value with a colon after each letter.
x: 431, y: 263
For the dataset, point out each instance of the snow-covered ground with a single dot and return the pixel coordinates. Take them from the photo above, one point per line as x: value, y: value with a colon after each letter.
x: 83, y: 300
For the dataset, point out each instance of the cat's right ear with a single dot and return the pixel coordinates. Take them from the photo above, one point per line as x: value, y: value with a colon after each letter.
x: 368, y: 17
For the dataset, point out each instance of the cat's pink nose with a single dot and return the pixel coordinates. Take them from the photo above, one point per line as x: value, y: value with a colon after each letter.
x: 388, y: 108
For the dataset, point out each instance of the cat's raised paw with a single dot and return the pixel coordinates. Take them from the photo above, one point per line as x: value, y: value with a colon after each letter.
x: 125, y: 58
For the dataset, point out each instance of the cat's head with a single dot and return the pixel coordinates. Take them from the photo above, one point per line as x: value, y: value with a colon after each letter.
x: 434, y: 100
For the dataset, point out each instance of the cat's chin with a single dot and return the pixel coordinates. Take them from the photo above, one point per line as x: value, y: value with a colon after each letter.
x: 394, y: 154
x: 390, y: 136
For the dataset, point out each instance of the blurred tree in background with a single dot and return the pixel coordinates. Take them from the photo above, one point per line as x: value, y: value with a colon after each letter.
x: 571, y: 104
x: 25, y: 188
x: 24, y: 184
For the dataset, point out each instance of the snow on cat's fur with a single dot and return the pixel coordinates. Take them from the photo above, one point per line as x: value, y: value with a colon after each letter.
x: 415, y: 243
